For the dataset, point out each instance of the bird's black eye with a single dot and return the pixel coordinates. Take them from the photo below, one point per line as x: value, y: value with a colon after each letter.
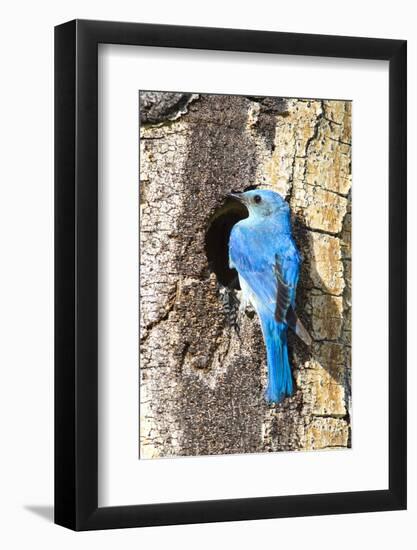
x: 257, y: 199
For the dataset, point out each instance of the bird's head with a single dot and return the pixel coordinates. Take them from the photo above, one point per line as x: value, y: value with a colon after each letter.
x: 263, y: 203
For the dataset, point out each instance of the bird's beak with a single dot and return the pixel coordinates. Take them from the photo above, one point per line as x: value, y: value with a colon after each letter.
x: 237, y: 196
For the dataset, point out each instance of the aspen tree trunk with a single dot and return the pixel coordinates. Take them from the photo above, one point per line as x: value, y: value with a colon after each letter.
x: 202, y: 361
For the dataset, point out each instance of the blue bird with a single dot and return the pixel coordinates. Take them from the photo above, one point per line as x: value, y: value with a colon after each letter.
x: 262, y: 250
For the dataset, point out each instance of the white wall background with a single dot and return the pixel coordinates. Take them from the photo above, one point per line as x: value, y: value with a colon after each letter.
x: 26, y: 273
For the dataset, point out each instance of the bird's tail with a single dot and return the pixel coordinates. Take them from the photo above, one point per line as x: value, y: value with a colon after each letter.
x: 280, y: 383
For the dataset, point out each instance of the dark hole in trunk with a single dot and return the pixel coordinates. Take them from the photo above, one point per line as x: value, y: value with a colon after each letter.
x: 217, y: 241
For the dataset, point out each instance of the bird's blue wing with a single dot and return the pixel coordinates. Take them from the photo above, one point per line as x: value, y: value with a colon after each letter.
x: 268, y: 264
x: 286, y: 272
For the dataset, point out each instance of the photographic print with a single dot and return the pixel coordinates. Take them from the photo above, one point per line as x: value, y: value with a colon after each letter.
x: 244, y: 274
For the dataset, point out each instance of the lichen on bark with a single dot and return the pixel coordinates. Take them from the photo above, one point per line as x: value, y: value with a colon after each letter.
x: 202, y: 361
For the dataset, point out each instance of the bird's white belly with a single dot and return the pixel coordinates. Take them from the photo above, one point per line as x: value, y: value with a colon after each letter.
x: 247, y: 297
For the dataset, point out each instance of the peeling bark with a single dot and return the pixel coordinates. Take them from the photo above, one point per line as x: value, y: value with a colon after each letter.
x: 202, y: 361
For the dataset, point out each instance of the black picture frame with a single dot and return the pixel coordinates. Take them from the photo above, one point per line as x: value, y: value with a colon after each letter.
x: 76, y: 272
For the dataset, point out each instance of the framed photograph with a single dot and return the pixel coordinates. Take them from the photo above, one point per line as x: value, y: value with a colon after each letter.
x: 230, y: 247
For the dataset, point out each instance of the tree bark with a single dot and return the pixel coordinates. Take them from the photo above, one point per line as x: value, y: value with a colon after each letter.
x: 202, y: 360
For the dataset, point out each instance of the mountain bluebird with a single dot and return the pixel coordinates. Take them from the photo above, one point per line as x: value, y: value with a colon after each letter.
x: 262, y: 250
